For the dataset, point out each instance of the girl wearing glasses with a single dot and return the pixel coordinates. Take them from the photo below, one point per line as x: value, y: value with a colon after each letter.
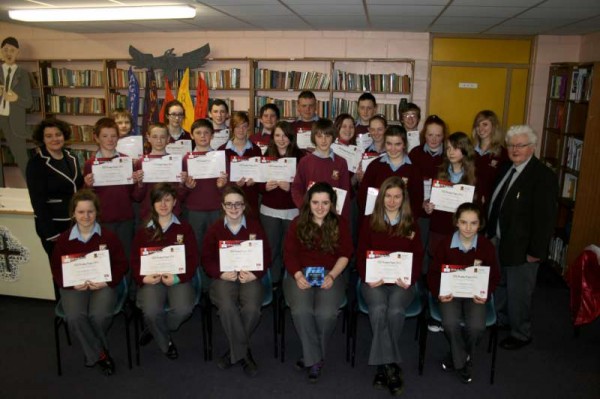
x: 174, y: 116
x: 166, y: 299
x: 317, y: 249
x: 490, y: 154
x: 237, y: 294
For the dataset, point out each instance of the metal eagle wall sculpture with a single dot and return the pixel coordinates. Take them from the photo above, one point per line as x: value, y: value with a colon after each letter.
x: 169, y: 62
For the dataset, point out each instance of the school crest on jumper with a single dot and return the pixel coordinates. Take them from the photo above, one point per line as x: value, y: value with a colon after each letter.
x: 335, y: 174
x: 179, y: 238
x: 494, y: 163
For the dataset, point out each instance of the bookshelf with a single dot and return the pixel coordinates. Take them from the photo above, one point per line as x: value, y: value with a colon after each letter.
x: 570, y: 143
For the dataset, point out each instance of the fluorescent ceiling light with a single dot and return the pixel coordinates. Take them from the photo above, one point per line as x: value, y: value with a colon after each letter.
x: 103, y: 13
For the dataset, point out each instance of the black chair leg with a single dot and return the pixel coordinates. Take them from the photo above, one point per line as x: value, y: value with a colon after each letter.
x: 67, y: 333
x: 494, y: 338
x: 136, y: 324
x: 128, y: 338
x: 275, y: 344
x: 422, y: 331
x: 57, y: 323
x: 354, y: 333
x: 282, y: 333
x: 209, y: 330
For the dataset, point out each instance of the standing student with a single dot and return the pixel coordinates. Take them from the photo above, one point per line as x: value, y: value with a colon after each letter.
x: 237, y: 294
x: 269, y: 115
x: 490, y: 154
x: 239, y: 145
x: 174, y: 117
x: 391, y: 228
x: 219, y: 113
x: 377, y: 126
x: 124, y: 121
x: 167, y: 299
x: 394, y: 162
x: 322, y: 166
x: 53, y: 176
x: 116, y: 201
x: 345, y: 126
x: 463, y: 319
x: 367, y: 106
x: 317, y: 237
x: 89, y: 306
x: 277, y: 208
x: 307, y: 112
x: 410, y: 116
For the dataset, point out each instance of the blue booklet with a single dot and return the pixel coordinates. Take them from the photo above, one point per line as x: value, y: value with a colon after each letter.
x: 315, y: 275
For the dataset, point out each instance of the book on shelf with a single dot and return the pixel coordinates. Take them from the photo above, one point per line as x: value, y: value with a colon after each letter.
x: 573, y: 153
x: 580, y: 84
x: 558, y: 87
x: 290, y: 80
x: 63, y: 77
x: 228, y: 101
x: 569, y: 187
x: 372, y: 82
x: 119, y: 78
x: 341, y: 105
x: 82, y: 133
x: 219, y: 80
x: 34, y: 79
x: 75, y: 105
x: 118, y: 100
x: 288, y: 108
x: 558, y: 251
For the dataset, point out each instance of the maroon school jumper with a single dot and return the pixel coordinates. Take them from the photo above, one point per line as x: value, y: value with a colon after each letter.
x: 261, y: 139
x: 297, y: 256
x: 219, y: 232
x: 444, y: 255
x: 278, y: 198
x: 106, y: 240
x: 427, y: 165
x: 205, y: 196
x: 486, y: 172
x: 182, y: 136
x: 384, y: 241
x: 302, y: 126
x: 361, y: 129
x: 181, y: 233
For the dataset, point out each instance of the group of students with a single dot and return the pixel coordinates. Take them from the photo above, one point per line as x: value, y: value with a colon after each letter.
x: 297, y: 222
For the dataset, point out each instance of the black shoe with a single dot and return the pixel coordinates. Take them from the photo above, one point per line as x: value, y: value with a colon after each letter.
x: 314, y: 372
x: 464, y: 374
x: 512, y: 343
x: 172, y: 351
x: 394, y: 379
x: 224, y: 361
x: 300, y: 365
x: 380, y: 381
x: 249, y: 365
x: 106, y: 364
x: 146, y: 337
x: 448, y: 363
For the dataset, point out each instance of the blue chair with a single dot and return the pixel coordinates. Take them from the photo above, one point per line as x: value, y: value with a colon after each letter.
x: 415, y: 309
x: 490, y: 323
x: 268, y: 299
x: 60, y: 320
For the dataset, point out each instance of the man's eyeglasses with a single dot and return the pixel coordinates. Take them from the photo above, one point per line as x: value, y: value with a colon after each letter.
x: 232, y: 205
x: 517, y: 146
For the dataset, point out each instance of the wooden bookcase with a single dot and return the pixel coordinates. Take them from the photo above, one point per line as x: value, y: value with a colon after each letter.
x: 570, y: 146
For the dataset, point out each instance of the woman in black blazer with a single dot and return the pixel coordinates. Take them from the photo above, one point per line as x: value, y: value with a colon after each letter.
x: 53, y: 176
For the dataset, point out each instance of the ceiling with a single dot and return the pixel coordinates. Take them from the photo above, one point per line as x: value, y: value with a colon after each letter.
x: 507, y: 17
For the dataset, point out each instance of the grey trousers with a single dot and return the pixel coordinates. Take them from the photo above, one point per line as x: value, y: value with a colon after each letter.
x: 200, y: 222
x: 165, y: 309
x: 462, y: 338
x: 89, y: 315
x: 18, y: 146
x: 239, y: 311
x: 514, y: 295
x: 314, y: 312
x: 387, y: 310
x: 275, y: 229
x: 424, y: 228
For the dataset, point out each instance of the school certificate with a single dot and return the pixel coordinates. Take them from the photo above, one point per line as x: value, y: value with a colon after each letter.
x: 413, y: 138
x: 364, y: 141
x: 79, y: 268
x: 112, y: 171
x: 447, y: 197
x: 389, y: 267
x: 132, y: 146
x: 464, y: 281
x: 278, y: 169
x: 180, y: 147
x: 160, y: 169
x: 371, y: 197
x: 236, y: 256
x: 351, y: 153
x: 245, y: 167
x: 367, y: 158
x: 427, y: 189
x: 162, y: 260
x: 219, y: 138
x: 206, y: 166
x: 303, y: 140
x: 341, y: 198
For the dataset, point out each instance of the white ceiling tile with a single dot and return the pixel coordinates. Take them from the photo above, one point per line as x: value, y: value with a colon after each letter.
x: 566, y: 12
x: 264, y: 10
x: 404, y: 10
x: 569, y: 3
x: 468, y: 11
x: 328, y: 9
x: 452, y: 28
x: 497, y: 3
x: 481, y: 21
x: 408, y: 2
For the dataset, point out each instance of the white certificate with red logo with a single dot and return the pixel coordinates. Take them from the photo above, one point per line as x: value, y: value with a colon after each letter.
x: 112, y: 171
x: 303, y: 140
x: 367, y: 158
x: 372, y: 193
x: 219, y: 138
x: 236, y: 256
x: 389, y: 267
x: 364, y: 140
x: 162, y: 260
x: 351, y: 153
x: 464, y: 281
x: 132, y: 146
x: 79, y: 268
x: 245, y: 167
x: 160, y: 169
x: 278, y: 169
x: 209, y: 165
x: 180, y: 147
x: 447, y: 197
x: 413, y: 138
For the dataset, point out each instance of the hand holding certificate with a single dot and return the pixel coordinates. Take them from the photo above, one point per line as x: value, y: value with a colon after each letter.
x: 351, y: 153
x: 447, y: 197
x: 162, y: 260
x: 206, y: 166
x: 93, y: 267
x: 282, y: 169
x: 112, y: 171
x: 389, y: 267
x: 464, y: 281
x: 246, y: 168
x: 159, y: 169
x: 236, y: 256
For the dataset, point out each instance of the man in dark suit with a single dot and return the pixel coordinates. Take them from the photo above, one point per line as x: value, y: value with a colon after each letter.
x: 521, y: 221
x: 15, y: 98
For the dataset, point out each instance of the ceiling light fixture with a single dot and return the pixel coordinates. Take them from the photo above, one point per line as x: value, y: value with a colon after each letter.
x: 102, y: 13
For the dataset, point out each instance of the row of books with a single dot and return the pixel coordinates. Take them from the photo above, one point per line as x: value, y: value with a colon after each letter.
x: 341, y: 105
x: 63, y: 77
x: 222, y: 79
x: 82, y: 133
x: 556, y: 115
x: 75, y: 105
x: 118, y: 100
x: 558, y: 87
x: 581, y: 84
x: 371, y: 82
x: 558, y: 252
x: 573, y: 150
x: 290, y: 80
x: 119, y: 78
x: 569, y: 187
x: 288, y: 108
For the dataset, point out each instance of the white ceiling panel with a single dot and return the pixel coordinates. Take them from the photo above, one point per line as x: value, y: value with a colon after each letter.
x: 405, y: 10
x: 264, y: 10
x: 408, y: 2
x: 465, y: 11
x: 481, y: 21
x: 328, y: 9
x: 558, y: 13
x: 460, y: 29
x: 497, y: 3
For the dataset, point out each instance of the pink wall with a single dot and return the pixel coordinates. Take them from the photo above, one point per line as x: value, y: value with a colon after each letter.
x: 590, y: 47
